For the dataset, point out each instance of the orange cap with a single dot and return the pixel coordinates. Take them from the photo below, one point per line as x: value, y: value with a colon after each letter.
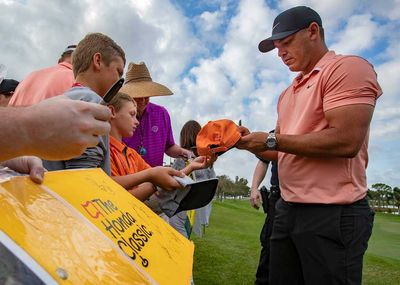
x: 217, y: 137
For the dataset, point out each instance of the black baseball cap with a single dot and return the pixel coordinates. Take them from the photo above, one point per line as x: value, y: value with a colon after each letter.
x: 289, y: 22
x: 194, y: 195
x: 68, y: 50
x: 8, y: 85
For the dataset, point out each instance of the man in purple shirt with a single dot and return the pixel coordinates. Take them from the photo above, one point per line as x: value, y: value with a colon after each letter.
x: 153, y: 137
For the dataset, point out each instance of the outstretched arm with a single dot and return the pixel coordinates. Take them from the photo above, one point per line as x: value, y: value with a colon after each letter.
x: 55, y: 129
x: 159, y: 176
x: 346, y: 132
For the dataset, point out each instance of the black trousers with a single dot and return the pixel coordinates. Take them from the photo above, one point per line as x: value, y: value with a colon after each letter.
x: 262, y: 274
x: 319, y: 244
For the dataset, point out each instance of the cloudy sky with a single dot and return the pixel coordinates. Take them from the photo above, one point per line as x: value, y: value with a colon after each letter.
x: 206, y: 52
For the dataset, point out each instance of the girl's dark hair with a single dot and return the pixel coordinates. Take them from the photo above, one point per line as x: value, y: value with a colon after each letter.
x: 189, y: 133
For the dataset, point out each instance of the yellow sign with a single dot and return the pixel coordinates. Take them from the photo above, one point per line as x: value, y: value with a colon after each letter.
x: 158, y: 252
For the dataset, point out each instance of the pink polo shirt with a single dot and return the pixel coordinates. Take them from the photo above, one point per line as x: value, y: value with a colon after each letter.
x: 335, y: 81
x: 43, y: 84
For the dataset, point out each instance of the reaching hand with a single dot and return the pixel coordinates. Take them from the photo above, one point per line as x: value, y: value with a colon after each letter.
x: 201, y: 162
x: 163, y: 177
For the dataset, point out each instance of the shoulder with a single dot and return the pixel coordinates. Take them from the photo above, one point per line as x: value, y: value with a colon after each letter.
x: 349, y: 64
x: 83, y: 94
x: 157, y: 108
x: 159, y: 113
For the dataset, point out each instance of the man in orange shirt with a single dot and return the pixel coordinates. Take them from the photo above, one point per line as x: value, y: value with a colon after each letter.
x: 323, y: 221
x: 46, y: 83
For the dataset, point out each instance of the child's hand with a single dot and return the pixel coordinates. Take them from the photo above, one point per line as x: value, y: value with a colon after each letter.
x: 164, y: 177
x: 202, y: 162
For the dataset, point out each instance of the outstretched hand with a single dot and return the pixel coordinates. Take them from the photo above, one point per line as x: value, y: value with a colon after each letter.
x: 202, y: 162
x: 163, y: 177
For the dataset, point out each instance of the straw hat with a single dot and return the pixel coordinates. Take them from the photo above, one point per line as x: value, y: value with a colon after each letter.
x: 138, y: 83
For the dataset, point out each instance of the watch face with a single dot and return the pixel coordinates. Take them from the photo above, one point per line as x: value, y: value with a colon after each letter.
x: 271, y: 143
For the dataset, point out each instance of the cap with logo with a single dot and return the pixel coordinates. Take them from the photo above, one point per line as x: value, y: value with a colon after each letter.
x: 289, y: 22
x: 216, y: 137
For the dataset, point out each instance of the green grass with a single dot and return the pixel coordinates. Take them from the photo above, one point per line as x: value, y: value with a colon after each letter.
x: 382, y: 260
x: 229, y: 251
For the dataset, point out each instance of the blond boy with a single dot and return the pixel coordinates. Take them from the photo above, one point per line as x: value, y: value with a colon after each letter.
x: 97, y: 62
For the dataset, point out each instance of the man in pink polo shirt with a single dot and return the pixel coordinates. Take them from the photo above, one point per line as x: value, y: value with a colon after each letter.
x: 45, y: 83
x: 323, y: 221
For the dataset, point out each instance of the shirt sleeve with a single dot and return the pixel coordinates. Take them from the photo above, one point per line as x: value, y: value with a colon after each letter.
x: 170, y: 137
x: 351, y: 81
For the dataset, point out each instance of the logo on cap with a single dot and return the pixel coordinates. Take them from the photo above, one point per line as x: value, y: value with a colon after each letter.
x: 273, y: 28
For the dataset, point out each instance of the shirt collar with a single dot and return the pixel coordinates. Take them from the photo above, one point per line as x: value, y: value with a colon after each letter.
x: 66, y: 64
x: 147, y: 111
x: 117, y: 144
x: 317, y: 68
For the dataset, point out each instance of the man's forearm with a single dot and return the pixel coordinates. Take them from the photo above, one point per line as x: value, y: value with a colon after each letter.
x: 259, y: 174
x: 325, y: 143
x: 14, y: 134
x: 174, y: 151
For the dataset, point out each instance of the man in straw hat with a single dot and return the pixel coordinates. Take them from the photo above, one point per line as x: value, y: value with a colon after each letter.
x: 154, y: 135
x: 323, y: 221
x: 46, y: 83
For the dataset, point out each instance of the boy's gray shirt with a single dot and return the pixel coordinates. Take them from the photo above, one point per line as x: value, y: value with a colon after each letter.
x: 93, y: 157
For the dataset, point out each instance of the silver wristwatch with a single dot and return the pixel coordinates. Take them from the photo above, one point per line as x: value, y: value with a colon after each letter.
x: 271, y: 143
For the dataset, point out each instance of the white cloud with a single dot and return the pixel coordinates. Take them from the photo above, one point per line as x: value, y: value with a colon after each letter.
x: 237, y: 82
x: 332, y: 13
x: 210, y: 21
x: 359, y: 34
x: 156, y: 33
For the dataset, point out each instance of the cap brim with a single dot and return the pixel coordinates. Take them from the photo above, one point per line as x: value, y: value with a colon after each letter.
x: 268, y: 44
x: 200, y: 194
x: 142, y: 89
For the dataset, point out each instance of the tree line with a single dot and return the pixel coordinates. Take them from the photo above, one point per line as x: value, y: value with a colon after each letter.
x: 384, y: 198
x: 229, y: 188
